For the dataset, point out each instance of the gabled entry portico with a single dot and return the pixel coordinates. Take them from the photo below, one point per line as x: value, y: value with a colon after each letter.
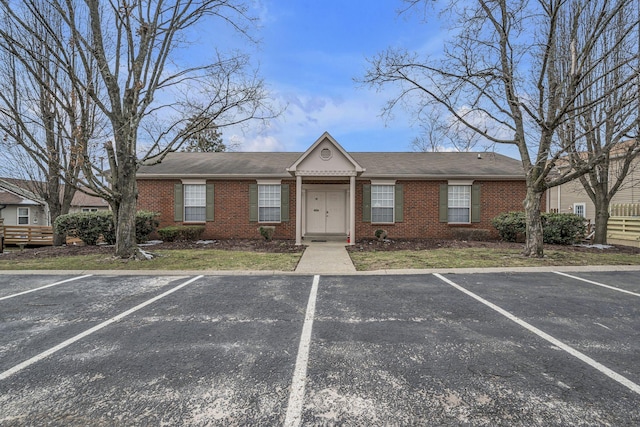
x: 325, y: 190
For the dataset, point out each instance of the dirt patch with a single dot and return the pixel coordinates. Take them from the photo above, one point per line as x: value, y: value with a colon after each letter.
x: 248, y: 245
x: 367, y: 245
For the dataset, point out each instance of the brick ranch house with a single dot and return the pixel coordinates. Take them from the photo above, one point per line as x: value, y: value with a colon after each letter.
x: 327, y: 191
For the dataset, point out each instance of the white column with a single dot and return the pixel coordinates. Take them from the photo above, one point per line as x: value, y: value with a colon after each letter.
x: 352, y: 209
x: 298, y: 210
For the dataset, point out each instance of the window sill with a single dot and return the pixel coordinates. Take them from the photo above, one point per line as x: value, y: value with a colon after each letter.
x: 458, y: 224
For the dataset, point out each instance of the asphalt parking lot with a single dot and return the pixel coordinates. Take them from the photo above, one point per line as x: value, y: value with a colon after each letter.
x: 453, y: 349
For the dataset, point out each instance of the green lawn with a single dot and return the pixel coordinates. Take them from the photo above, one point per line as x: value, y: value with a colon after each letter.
x: 188, y: 259
x: 482, y: 258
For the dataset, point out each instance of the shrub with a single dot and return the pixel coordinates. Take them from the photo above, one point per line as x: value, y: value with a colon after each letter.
x: 86, y: 226
x: 381, y: 234
x: 181, y: 232
x: 510, y: 225
x: 90, y: 226
x: 267, y: 232
x: 563, y: 228
x: 146, y: 223
x: 557, y: 228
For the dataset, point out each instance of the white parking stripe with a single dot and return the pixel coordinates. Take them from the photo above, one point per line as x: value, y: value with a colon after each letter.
x: 583, y: 357
x: 96, y: 328
x: 45, y: 287
x: 296, y: 398
x: 598, y: 284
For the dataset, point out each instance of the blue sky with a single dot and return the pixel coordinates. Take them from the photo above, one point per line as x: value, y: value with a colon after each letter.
x: 309, y: 55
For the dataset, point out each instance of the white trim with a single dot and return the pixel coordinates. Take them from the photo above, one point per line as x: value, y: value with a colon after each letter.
x: 584, y: 209
x: 194, y: 181
x: 269, y: 181
x: 384, y: 181
x: 460, y: 182
x: 18, y: 216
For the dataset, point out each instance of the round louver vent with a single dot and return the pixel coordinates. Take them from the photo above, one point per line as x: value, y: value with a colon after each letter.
x: 325, y: 154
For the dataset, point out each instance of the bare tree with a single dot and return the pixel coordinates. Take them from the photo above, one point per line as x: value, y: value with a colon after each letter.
x: 508, y: 61
x: 607, y: 129
x: 143, y: 87
x: 442, y: 132
x: 46, y: 117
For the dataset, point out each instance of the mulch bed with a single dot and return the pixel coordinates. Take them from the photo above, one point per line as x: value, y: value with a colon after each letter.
x: 289, y: 246
x: 250, y: 245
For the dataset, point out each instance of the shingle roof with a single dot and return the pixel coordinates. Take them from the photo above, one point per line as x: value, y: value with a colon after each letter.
x: 7, y: 198
x: 28, y: 187
x: 378, y: 165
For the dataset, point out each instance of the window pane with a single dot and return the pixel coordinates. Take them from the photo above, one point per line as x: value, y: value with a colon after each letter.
x: 269, y: 203
x: 23, y: 216
x: 382, y: 202
x: 269, y: 214
x: 459, y: 203
x: 195, y: 214
x: 381, y: 214
x: 459, y: 215
x: 195, y: 202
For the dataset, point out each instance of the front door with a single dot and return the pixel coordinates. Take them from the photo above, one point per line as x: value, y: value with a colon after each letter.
x: 326, y: 213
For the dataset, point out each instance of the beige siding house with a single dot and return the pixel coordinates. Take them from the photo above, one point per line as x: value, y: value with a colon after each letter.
x: 21, y: 206
x: 572, y: 198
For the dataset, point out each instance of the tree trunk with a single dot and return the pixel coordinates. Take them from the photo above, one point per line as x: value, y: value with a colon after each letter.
x: 534, y: 237
x: 126, y: 213
x: 602, y: 220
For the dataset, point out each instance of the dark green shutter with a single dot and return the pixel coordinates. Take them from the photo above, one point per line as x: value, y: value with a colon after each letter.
x: 475, y: 203
x: 366, y: 203
x: 284, y: 202
x: 178, y: 203
x: 443, y: 207
x: 253, y: 202
x: 210, y: 207
x: 399, y: 204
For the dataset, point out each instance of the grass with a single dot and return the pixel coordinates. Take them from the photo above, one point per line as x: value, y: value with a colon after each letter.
x: 187, y: 259
x: 211, y: 259
x: 482, y: 258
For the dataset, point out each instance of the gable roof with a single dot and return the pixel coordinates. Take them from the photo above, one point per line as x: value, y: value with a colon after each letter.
x: 24, y: 189
x: 407, y: 165
x: 331, y: 142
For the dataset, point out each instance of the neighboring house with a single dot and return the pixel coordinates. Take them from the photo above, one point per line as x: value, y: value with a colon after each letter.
x: 327, y: 191
x: 572, y: 198
x: 21, y: 206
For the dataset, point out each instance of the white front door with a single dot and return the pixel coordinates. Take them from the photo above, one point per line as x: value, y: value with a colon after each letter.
x: 326, y: 213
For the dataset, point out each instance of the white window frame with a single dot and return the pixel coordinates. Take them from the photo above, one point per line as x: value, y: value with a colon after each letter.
x: 584, y: 209
x: 383, y: 202
x: 269, y: 200
x: 85, y: 210
x: 27, y: 216
x: 192, y: 200
x: 458, y: 202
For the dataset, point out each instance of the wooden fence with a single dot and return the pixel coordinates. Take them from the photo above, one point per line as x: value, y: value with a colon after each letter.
x: 624, y: 209
x: 623, y: 230
x: 25, y: 235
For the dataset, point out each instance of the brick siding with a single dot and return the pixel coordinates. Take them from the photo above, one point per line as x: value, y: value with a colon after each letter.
x: 421, y: 218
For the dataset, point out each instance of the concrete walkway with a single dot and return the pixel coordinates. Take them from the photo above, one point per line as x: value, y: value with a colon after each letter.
x: 325, y: 258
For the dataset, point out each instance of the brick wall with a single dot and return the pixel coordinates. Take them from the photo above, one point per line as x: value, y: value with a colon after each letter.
x: 421, y: 215
x: 421, y: 200
x: 231, y: 208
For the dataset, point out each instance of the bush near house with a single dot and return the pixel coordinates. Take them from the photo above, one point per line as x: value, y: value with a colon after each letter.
x: 91, y: 226
x: 181, y: 232
x: 558, y: 228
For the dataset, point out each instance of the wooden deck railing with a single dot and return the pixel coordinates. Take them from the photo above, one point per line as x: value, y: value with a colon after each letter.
x: 36, y: 235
